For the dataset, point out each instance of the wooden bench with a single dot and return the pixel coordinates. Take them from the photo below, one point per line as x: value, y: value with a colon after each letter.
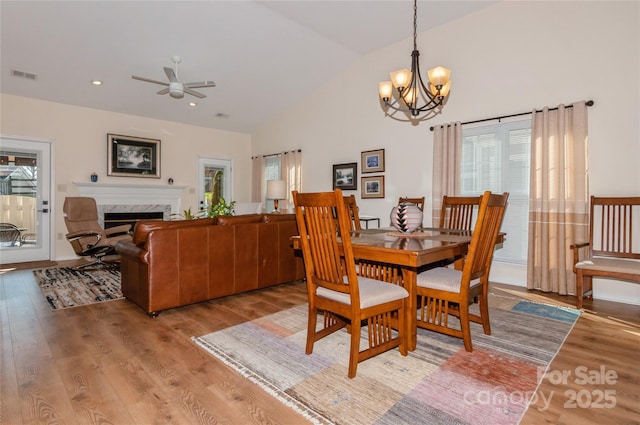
x: 613, y: 250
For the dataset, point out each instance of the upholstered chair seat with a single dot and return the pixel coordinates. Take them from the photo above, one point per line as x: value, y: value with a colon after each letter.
x: 444, y: 279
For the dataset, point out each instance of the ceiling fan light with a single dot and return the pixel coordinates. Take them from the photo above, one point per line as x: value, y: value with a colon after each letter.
x: 176, y: 90
x: 401, y: 78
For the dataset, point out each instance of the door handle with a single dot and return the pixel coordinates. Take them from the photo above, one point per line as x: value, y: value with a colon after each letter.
x: 44, y: 210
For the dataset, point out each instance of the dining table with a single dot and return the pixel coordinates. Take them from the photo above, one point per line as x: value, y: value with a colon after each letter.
x: 386, y: 254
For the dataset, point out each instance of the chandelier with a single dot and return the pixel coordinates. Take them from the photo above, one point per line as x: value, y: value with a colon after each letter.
x: 407, y: 93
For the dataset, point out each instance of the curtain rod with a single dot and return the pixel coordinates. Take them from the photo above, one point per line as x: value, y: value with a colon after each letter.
x: 588, y: 103
x: 276, y: 154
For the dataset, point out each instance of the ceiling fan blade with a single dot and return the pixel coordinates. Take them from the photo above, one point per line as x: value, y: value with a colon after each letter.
x: 194, y: 93
x: 164, y: 91
x: 135, y: 77
x: 200, y: 84
x: 170, y: 75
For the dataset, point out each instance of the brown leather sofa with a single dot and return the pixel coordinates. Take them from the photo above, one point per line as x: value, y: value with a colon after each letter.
x: 174, y: 263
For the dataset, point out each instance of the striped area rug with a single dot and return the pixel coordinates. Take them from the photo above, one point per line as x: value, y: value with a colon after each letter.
x: 65, y: 287
x: 438, y: 383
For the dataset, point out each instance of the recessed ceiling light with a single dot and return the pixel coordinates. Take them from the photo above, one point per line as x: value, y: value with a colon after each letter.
x: 193, y: 104
x: 96, y: 82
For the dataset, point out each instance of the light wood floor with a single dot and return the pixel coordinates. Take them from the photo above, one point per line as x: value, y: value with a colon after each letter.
x: 111, y: 363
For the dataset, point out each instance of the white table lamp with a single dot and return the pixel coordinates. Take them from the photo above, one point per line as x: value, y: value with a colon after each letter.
x: 276, y: 190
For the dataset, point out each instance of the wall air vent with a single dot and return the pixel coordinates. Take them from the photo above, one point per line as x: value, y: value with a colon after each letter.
x: 22, y: 74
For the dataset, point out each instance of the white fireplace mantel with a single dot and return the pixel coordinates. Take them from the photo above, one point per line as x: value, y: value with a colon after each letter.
x: 132, y: 194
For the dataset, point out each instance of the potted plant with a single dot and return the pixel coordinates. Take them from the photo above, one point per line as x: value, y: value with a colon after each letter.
x: 188, y: 215
x: 221, y: 208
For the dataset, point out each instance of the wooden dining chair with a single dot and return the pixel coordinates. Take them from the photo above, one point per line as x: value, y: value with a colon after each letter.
x: 336, y: 291
x: 352, y: 211
x: 418, y: 201
x: 446, y: 291
x: 457, y: 212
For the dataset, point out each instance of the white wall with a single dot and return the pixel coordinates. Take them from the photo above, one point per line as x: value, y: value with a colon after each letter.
x: 508, y: 58
x: 80, y: 142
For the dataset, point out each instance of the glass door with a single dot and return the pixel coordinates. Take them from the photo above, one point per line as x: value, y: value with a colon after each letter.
x: 214, y: 182
x: 25, y: 187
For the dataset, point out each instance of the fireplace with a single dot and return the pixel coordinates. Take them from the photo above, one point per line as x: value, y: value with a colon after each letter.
x: 114, y: 219
x: 133, y: 199
x: 113, y: 215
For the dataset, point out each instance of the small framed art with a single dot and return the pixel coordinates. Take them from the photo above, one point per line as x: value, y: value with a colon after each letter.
x: 133, y: 156
x: 372, y: 187
x: 345, y: 176
x: 373, y: 161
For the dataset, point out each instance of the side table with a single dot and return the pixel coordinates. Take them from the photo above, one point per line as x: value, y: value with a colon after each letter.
x: 367, y: 218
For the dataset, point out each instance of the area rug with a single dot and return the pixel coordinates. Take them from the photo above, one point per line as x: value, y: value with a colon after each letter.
x: 438, y: 383
x: 65, y: 287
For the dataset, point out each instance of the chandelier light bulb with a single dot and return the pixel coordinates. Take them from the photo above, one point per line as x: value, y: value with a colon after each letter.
x: 385, y: 88
x: 444, y: 90
x: 401, y: 78
x: 410, y: 97
x: 439, y: 76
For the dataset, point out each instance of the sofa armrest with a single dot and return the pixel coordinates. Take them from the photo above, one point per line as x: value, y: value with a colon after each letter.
x: 129, y: 250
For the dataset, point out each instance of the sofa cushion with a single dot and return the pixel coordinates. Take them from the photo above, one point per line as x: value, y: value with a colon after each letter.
x: 143, y: 228
x: 238, y: 219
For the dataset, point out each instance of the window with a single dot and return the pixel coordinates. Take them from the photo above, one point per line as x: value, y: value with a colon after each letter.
x: 497, y: 158
x: 272, y: 166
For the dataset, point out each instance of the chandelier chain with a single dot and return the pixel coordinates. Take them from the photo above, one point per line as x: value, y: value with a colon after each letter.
x: 415, y: 24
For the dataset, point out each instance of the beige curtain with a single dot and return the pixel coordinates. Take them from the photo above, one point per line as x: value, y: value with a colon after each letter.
x: 447, y: 156
x: 291, y: 172
x: 258, y: 185
x: 558, y: 198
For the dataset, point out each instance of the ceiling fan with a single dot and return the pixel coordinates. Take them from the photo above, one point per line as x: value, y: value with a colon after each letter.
x: 175, y: 88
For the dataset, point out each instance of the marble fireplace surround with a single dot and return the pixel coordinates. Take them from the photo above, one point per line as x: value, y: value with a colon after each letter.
x: 126, y: 198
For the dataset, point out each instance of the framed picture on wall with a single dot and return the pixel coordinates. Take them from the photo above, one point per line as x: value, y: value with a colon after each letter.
x: 372, y: 161
x: 345, y: 176
x: 133, y: 156
x: 372, y: 187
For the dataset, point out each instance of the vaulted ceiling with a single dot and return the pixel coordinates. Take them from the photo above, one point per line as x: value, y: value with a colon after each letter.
x: 263, y: 55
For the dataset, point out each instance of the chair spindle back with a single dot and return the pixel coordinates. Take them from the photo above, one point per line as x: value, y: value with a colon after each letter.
x: 611, y: 230
x: 457, y: 212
